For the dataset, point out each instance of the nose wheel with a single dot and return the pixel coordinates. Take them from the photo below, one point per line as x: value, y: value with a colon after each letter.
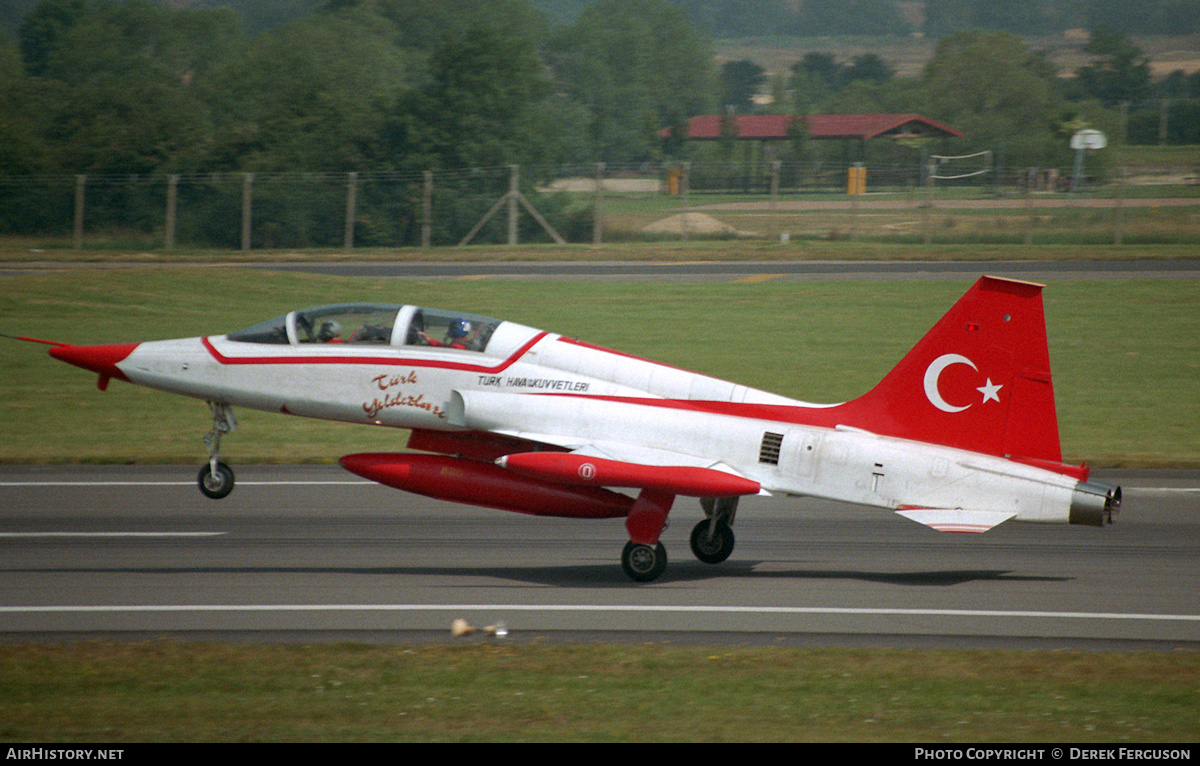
x: 216, y: 478
x: 216, y: 482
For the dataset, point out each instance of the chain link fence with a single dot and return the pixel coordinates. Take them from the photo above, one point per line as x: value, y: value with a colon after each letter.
x: 950, y: 199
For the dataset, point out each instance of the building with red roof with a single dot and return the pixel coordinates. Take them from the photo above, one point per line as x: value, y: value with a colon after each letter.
x: 779, y: 127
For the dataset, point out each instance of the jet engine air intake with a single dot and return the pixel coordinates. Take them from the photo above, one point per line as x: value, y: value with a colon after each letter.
x: 1094, y: 503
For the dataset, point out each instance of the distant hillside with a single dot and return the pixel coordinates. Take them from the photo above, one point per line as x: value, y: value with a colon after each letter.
x: 257, y: 14
x: 722, y: 19
x: 907, y: 55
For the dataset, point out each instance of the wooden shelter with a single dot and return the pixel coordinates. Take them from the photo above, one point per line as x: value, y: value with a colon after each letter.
x: 779, y: 127
x: 766, y: 128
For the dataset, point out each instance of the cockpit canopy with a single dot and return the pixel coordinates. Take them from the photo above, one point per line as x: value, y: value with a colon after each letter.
x: 381, y: 324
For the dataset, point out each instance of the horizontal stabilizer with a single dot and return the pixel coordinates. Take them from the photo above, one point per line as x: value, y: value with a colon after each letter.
x: 599, y: 472
x: 956, y: 519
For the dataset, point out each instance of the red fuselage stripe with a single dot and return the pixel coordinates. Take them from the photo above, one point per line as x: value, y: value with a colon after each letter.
x: 391, y: 361
x: 819, y: 416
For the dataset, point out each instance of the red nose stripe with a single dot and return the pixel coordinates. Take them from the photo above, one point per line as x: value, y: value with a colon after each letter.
x: 101, y: 359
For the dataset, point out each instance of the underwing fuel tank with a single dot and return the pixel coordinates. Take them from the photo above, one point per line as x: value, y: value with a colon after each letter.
x: 477, y: 483
x: 678, y: 480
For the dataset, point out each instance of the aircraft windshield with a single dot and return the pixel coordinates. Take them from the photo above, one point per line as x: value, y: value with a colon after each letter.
x: 374, y: 324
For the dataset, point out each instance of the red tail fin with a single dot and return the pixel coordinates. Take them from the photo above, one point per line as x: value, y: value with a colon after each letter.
x: 979, y: 380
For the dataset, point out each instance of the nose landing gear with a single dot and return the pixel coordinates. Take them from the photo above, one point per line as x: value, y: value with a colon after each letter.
x: 216, y: 478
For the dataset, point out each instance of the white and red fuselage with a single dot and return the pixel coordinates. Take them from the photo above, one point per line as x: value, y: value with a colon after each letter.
x: 961, y: 435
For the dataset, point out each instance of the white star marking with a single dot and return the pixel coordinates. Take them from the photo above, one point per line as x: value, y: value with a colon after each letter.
x: 990, y: 391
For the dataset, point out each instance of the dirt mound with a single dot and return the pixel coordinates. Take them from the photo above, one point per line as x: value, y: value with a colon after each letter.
x: 695, y: 223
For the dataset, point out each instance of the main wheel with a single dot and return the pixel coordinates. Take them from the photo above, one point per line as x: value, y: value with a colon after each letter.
x: 642, y: 562
x: 216, y: 485
x: 715, y: 549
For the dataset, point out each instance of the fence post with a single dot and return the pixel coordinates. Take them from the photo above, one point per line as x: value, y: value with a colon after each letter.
x: 1163, y: 108
x: 172, y: 197
x: 684, y: 183
x: 427, y: 209
x: 1119, y: 211
x: 854, y: 198
x: 774, y: 199
x: 597, y: 215
x: 1030, y: 182
x: 77, y: 230
x: 927, y: 210
x: 351, y: 204
x: 247, y: 194
x: 514, y: 183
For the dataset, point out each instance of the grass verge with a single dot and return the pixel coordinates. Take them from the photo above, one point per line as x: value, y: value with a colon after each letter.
x: 494, y: 692
x: 1124, y: 353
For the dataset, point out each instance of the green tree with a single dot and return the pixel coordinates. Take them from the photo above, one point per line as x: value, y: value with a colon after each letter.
x: 740, y: 82
x: 814, y: 78
x: 42, y: 32
x: 425, y: 24
x: 990, y: 86
x: 479, y: 105
x: 1120, y: 72
x: 125, y: 77
x: 867, y: 66
x: 311, y: 95
x: 636, y: 66
x: 23, y: 101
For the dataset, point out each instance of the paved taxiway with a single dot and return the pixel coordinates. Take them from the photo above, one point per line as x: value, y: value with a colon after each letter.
x: 313, y: 552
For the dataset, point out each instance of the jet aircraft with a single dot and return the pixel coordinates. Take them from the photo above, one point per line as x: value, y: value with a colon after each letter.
x: 960, y: 436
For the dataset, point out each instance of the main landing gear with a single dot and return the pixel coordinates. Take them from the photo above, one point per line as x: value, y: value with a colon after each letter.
x: 712, y: 539
x: 642, y: 562
x: 644, y: 558
x: 216, y: 478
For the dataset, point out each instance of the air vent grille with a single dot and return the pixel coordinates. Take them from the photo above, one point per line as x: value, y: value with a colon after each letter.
x: 769, y: 451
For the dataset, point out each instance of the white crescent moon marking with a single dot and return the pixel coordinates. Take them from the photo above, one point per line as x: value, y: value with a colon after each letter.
x: 934, y: 371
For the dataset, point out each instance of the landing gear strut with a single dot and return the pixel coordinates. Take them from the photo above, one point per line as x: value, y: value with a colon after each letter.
x: 712, y: 539
x: 644, y: 557
x: 216, y: 478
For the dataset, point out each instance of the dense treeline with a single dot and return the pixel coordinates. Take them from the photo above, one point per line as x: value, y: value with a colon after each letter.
x: 722, y: 19
x: 135, y: 88
x: 811, y: 18
x: 139, y: 87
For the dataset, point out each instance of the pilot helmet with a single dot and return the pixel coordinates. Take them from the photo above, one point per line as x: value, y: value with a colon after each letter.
x: 459, y: 328
x: 330, y: 329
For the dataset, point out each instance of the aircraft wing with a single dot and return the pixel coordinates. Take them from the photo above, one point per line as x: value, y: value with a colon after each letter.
x: 956, y: 519
x: 586, y: 460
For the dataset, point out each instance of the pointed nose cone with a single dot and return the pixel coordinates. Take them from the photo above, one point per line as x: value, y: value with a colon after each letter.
x: 101, y: 359
x: 383, y: 468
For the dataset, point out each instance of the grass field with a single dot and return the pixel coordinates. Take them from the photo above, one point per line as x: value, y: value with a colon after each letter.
x: 497, y: 692
x: 1125, y: 354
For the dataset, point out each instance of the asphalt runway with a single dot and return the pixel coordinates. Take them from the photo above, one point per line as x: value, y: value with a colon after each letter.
x: 313, y: 554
